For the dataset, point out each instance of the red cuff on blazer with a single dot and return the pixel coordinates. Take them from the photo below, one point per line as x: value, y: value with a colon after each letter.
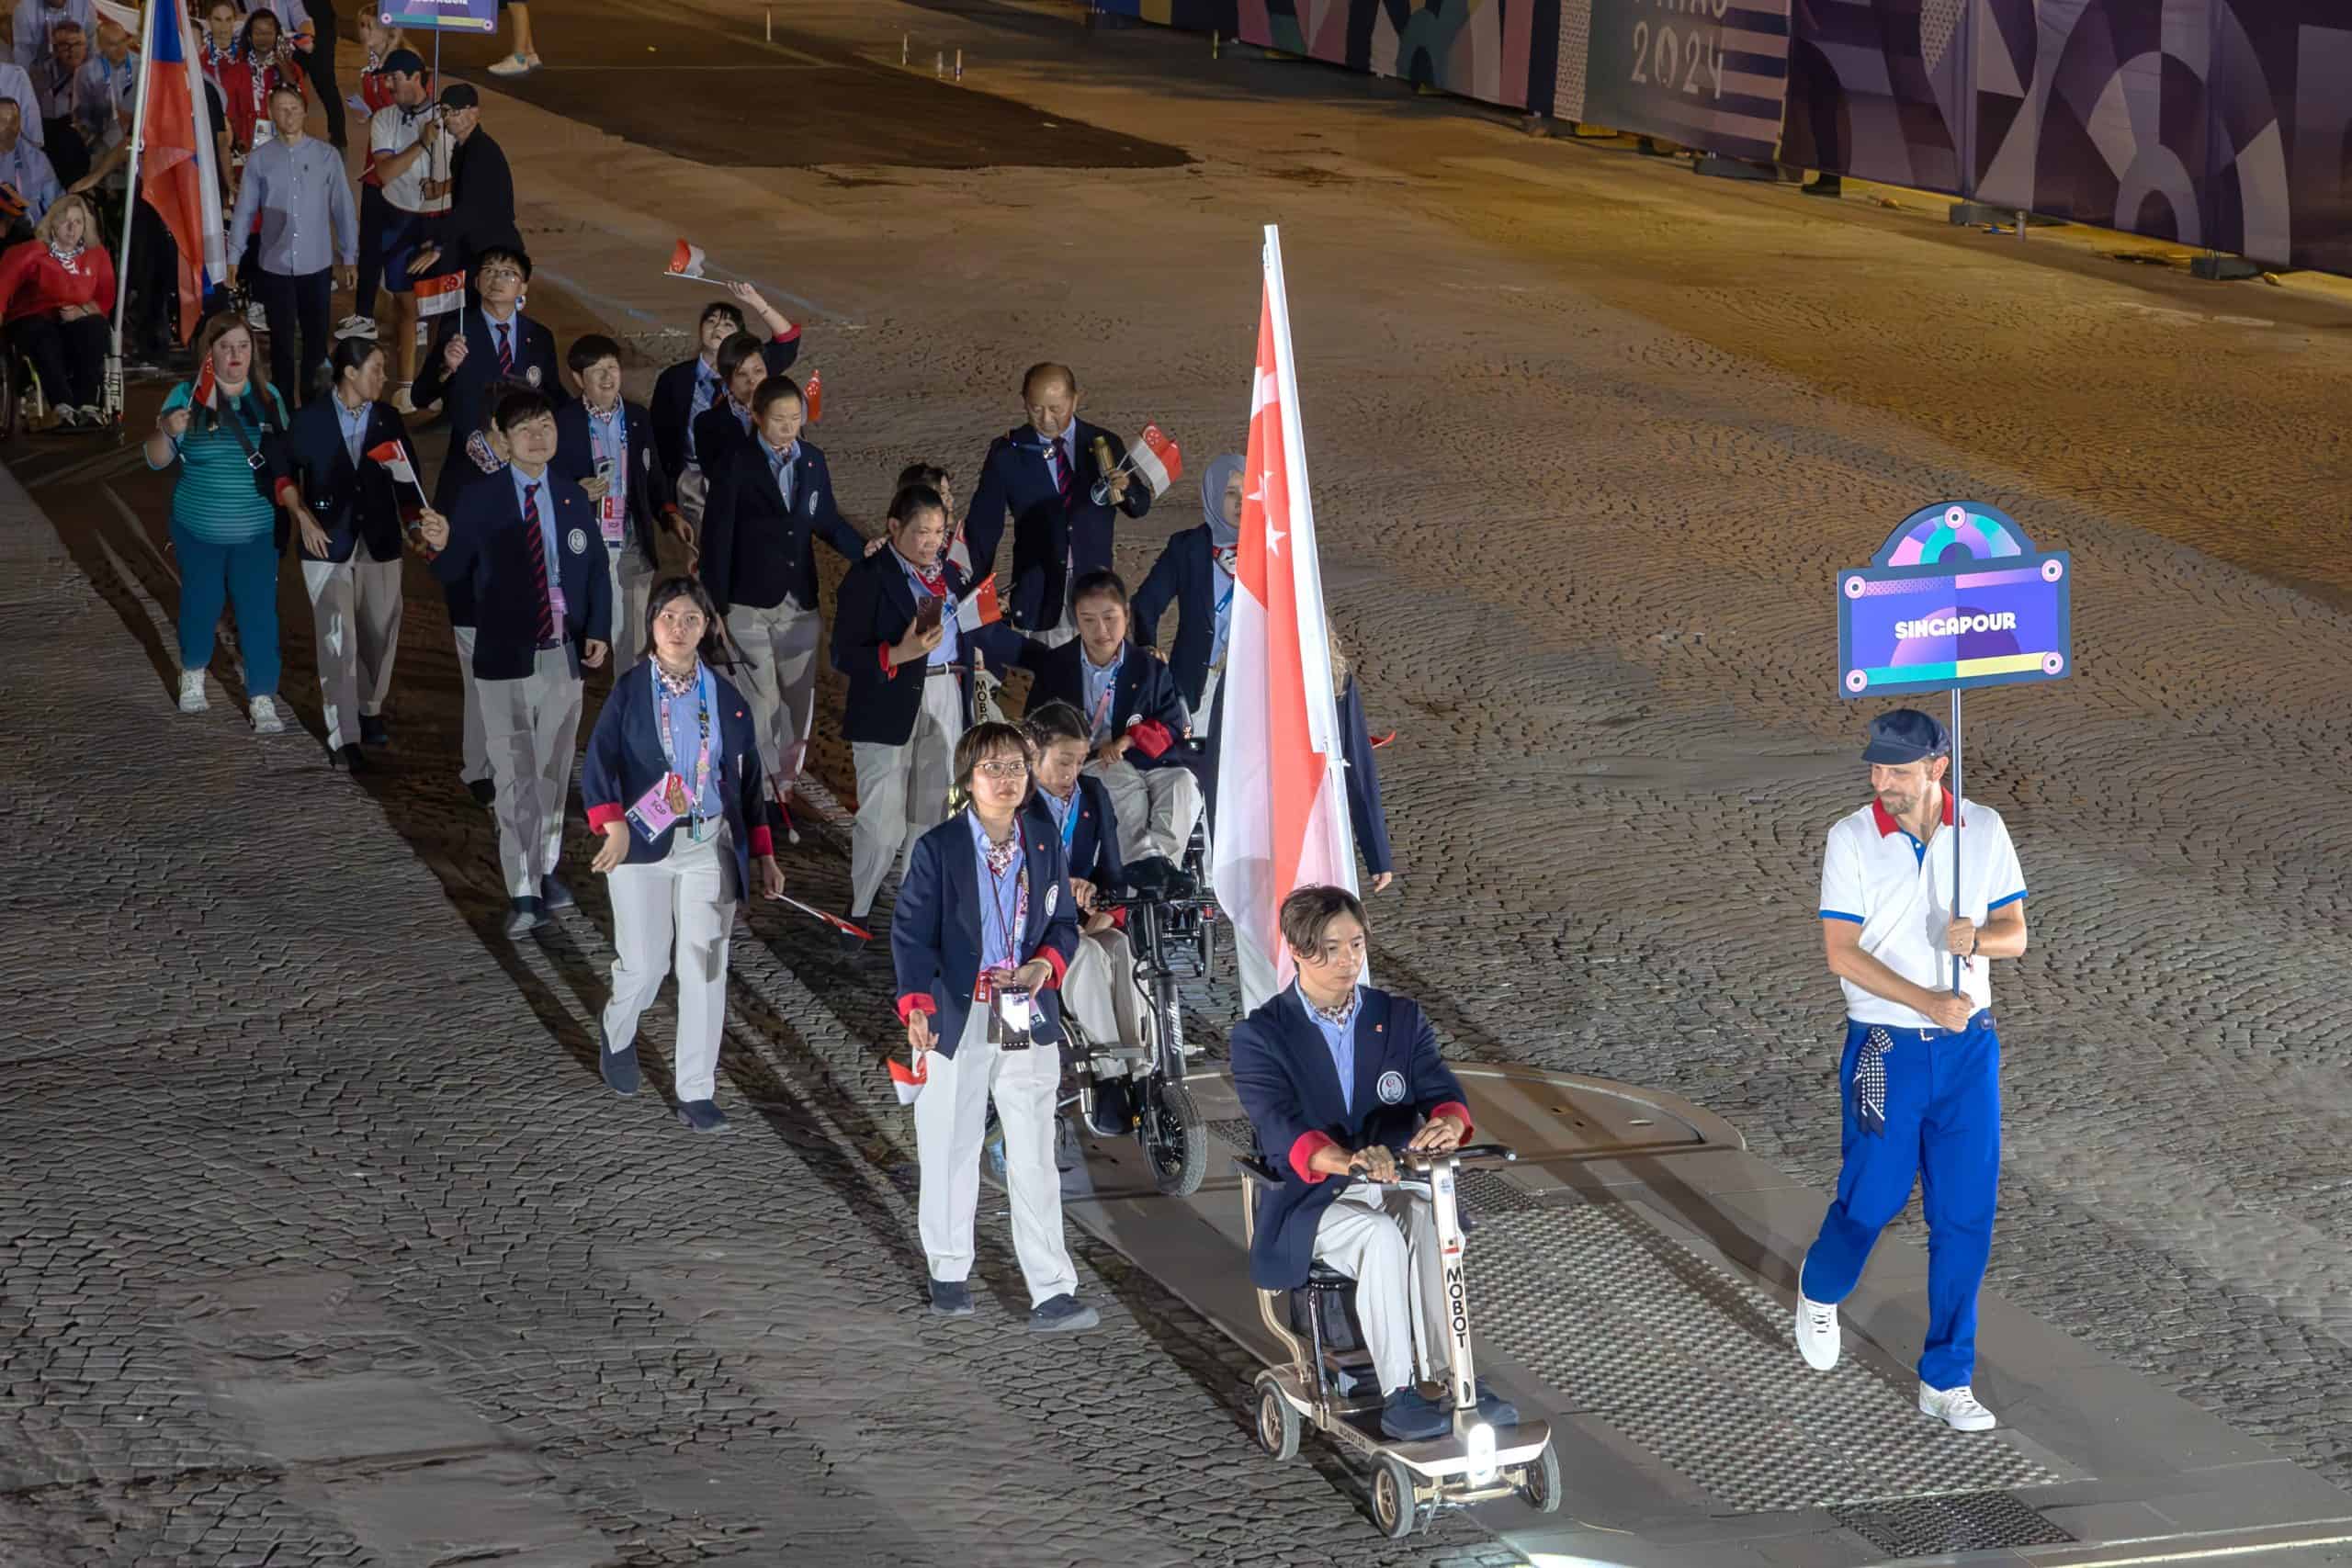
x: 1304, y: 1150
x: 890, y: 671
x: 791, y: 330
x: 1151, y: 738
x: 1119, y: 919
x: 603, y: 817
x: 914, y: 1002
x: 1455, y: 1109
x: 289, y: 492
x: 1055, y: 962
x: 763, y: 844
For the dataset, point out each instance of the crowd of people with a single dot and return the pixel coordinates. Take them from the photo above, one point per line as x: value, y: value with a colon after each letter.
x: 553, y: 526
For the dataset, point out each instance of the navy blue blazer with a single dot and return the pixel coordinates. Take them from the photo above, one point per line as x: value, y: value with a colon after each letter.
x: 1144, y: 690
x: 650, y: 492
x: 935, y: 932
x: 465, y: 396
x: 490, y: 553
x: 1289, y: 1086
x: 717, y: 434
x: 755, y: 549
x: 1184, y: 576
x: 1015, y: 478
x: 1093, y: 849
x: 356, y: 504
x: 625, y: 759
x: 674, y: 399
x: 876, y: 607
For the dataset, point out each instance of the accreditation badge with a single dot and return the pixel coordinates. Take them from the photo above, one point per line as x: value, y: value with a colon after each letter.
x: 612, y: 518
x: 659, y: 808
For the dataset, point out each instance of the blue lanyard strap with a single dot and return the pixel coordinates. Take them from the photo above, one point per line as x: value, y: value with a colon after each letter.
x: 704, y: 693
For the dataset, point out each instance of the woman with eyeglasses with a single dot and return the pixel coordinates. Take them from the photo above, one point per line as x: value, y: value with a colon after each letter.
x: 983, y: 933
x: 671, y: 780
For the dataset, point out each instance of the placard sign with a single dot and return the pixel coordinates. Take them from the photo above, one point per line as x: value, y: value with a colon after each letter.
x: 1957, y: 597
x: 442, y: 15
x: 1709, y: 74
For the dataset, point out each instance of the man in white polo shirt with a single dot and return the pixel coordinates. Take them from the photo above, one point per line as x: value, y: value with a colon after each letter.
x: 1920, y: 1076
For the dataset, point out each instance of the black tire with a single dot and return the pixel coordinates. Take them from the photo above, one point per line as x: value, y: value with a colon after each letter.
x: 1540, y: 1484
x: 1393, y: 1507
x: 1175, y: 1140
x: 1277, y: 1422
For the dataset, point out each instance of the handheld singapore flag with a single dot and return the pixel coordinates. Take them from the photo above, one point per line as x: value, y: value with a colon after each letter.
x: 1158, y: 459
x: 439, y: 296
x: 176, y: 172
x: 909, y: 1081
x: 1281, y: 814
x: 394, y: 459
x: 688, y: 260
x: 979, y: 607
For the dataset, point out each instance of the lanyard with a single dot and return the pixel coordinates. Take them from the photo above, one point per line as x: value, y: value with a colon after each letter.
x: 669, y: 750
x: 1007, y: 922
x: 1109, y: 690
x: 1069, y: 823
x: 602, y: 429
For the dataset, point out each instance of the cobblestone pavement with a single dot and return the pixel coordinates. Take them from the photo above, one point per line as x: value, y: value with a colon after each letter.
x: 321, y: 1243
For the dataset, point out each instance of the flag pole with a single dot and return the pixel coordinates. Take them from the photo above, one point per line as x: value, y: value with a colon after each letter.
x: 130, y: 213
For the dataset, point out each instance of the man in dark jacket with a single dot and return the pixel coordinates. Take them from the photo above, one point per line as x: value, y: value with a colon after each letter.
x: 1335, y: 1076
x: 482, y: 192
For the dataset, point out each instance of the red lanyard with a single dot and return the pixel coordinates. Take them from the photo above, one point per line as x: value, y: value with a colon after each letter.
x: 1008, y: 922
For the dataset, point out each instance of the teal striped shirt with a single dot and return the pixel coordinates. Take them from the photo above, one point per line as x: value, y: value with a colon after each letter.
x: 215, y: 499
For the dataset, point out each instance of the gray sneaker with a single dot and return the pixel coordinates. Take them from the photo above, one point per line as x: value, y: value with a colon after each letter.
x: 950, y: 1298
x: 1062, y: 1314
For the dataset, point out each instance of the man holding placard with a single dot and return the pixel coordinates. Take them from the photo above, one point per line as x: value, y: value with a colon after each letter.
x: 1909, y: 930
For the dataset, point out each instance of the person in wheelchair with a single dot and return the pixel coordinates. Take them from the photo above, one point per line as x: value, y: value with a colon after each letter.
x: 54, y: 295
x: 1100, y: 987
x: 1335, y: 1076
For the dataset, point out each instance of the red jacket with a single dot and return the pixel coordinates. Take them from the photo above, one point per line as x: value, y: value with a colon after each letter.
x: 33, y: 282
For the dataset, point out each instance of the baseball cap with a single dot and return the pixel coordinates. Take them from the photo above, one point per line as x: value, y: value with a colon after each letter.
x: 405, y: 59
x: 1906, y: 735
x: 460, y: 96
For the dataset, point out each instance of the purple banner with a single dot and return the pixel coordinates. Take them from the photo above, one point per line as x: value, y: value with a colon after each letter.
x: 441, y: 16
x: 2226, y: 123
x: 1957, y: 598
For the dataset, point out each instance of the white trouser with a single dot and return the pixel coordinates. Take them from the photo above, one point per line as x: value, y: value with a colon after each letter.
x: 951, y: 1121
x: 529, y: 726
x: 1157, y: 809
x: 692, y: 491
x: 355, y: 624
x: 1099, y: 990
x: 632, y: 577
x: 779, y: 680
x: 475, y: 747
x: 1386, y: 1242
x: 902, y: 790
x: 673, y: 915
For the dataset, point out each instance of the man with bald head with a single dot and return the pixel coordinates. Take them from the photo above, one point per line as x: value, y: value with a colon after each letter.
x: 1051, y: 475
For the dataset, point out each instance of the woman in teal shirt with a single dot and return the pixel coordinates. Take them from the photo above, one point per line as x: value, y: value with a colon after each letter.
x: 224, y: 528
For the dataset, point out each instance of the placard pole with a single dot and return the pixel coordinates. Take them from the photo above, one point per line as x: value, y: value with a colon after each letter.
x: 1956, y: 903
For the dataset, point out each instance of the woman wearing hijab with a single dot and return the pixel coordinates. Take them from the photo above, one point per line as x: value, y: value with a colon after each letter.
x: 223, y: 435
x: 671, y: 780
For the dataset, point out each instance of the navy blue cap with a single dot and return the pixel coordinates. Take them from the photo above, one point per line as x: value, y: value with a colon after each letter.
x: 404, y: 60
x: 1906, y: 735
x: 460, y: 96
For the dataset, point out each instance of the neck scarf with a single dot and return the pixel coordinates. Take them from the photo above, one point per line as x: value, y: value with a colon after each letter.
x: 64, y: 255
x: 678, y: 685
x: 1222, y: 534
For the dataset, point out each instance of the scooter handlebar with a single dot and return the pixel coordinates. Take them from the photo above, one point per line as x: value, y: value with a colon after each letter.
x: 1468, y: 1154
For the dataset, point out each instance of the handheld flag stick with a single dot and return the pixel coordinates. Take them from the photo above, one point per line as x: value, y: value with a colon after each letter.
x: 129, y: 211
x: 1957, y: 961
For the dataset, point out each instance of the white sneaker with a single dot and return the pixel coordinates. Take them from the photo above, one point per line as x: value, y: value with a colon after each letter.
x: 356, y: 326
x: 515, y: 66
x: 1818, y: 1336
x: 400, y: 400
x: 265, y: 717
x: 1956, y: 1408
x: 192, y: 698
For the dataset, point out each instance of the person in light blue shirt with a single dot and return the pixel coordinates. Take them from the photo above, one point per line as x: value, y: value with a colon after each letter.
x: 24, y: 168
x: 297, y: 186
x: 35, y: 19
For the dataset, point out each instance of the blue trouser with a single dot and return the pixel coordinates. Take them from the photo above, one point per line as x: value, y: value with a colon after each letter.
x: 1944, y: 1128
x: 212, y: 574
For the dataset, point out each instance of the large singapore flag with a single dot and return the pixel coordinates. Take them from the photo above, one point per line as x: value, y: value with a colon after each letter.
x: 1281, y: 812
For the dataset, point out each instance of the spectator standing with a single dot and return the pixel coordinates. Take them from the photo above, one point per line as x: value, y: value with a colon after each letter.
x: 28, y: 185
x: 409, y: 152
x: 482, y: 193
x: 54, y: 78
x: 295, y: 184
x: 54, y: 295
x: 351, y: 559
x: 224, y: 512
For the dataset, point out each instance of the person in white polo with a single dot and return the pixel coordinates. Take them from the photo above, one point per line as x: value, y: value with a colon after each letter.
x: 1920, y: 1076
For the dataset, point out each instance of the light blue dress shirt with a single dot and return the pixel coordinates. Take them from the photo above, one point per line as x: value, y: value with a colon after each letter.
x: 1340, y: 1038
x: 529, y: 492
x: 608, y: 432
x: 999, y: 898
x: 353, y: 423
x: 780, y: 465
x: 946, y: 652
x: 308, y: 221
x: 1100, y: 681
x: 706, y: 394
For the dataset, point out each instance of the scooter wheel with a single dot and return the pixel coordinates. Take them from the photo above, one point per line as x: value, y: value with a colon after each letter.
x: 1393, y: 1508
x: 1175, y: 1139
x: 1539, y: 1485
x: 1277, y: 1424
